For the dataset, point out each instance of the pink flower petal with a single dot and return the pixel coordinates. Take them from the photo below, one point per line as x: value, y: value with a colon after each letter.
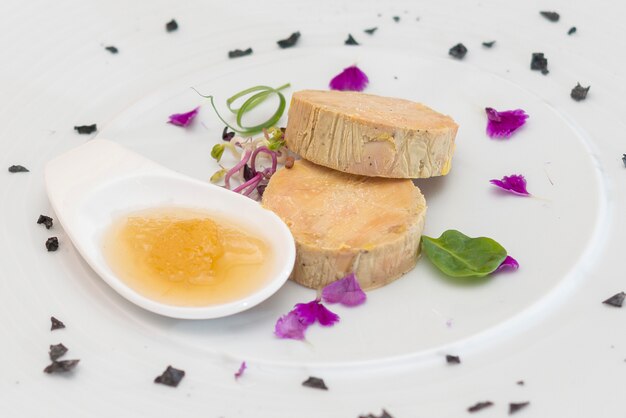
x: 509, y: 263
x: 504, y: 124
x: 346, y: 291
x: 290, y: 326
x: 515, y: 183
x: 183, y: 119
x: 351, y: 78
x: 242, y: 368
x: 315, y: 311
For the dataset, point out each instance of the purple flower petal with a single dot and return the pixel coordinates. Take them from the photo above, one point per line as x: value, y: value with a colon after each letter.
x: 315, y: 311
x: 515, y: 183
x: 290, y: 326
x: 351, y: 78
x: 242, y: 368
x: 183, y: 119
x: 345, y: 291
x: 509, y: 263
x: 503, y: 124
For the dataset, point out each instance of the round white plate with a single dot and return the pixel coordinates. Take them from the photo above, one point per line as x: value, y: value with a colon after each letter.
x: 544, y: 324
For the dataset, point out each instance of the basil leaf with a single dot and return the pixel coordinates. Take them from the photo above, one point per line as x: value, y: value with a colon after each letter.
x: 458, y: 255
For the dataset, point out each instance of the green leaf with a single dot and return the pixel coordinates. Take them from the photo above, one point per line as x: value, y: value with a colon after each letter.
x: 217, y: 151
x: 458, y: 255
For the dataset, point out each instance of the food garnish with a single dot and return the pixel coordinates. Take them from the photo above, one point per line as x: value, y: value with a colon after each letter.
x: 509, y: 263
x: 170, y: 377
x: 515, y: 183
x: 171, y: 26
x: 384, y: 414
x: 18, y: 169
x: 261, y: 93
x: 236, y: 53
x: 52, y: 244
x: 539, y: 62
x: 351, y: 78
x: 315, y: 383
x: 56, y: 324
x: 571, y: 30
x: 351, y: 40
x: 458, y: 51
x: 241, y: 369
x: 504, y: 124
x: 396, y: 19
x: 616, y: 300
x: 624, y: 159
x: 61, y: 366
x: 551, y: 16
x: 250, y: 152
x: 290, y: 326
x: 458, y: 255
x: 86, y: 129
x: 480, y: 405
x: 371, y: 31
x: 579, y: 92
x: 346, y: 291
x: 290, y: 41
x: 183, y: 119
x: 516, y: 406
x: 489, y: 44
x: 453, y: 359
x: 57, y: 351
x: 111, y: 49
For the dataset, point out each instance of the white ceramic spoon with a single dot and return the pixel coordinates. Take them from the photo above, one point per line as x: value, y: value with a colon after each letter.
x: 91, y: 185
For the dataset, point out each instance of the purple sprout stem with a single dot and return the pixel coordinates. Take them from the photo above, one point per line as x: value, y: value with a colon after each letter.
x: 250, y: 185
x: 267, y: 151
x: 236, y: 168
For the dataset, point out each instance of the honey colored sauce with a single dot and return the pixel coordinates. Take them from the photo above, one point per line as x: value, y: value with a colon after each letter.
x: 186, y: 257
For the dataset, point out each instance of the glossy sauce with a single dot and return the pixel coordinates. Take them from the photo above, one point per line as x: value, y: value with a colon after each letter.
x: 186, y: 257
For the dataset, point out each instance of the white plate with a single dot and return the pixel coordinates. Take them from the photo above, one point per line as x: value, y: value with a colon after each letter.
x: 543, y: 324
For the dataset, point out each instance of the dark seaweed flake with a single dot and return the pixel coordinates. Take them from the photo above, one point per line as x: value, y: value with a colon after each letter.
x: 315, y: 382
x: 458, y: 51
x: 572, y: 30
x: 489, y: 44
x: 236, y: 53
x: 170, y: 377
x: 579, y: 92
x: 453, y: 359
x: 624, y: 159
x: 227, y: 136
x: 616, y: 300
x: 45, y: 220
x: 171, y: 26
x: 86, y: 129
x: 551, y: 16
x: 18, y: 169
x: 514, y: 407
x: 112, y: 49
x: 57, y: 351
x: 289, y: 42
x: 52, y: 244
x: 384, y: 414
x: 371, y: 31
x: 539, y: 62
x: 520, y: 382
x: 351, y: 40
x: 396, y: 19
x: 61, y: 366
x: 480, y: 405
x: 56, y: 324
